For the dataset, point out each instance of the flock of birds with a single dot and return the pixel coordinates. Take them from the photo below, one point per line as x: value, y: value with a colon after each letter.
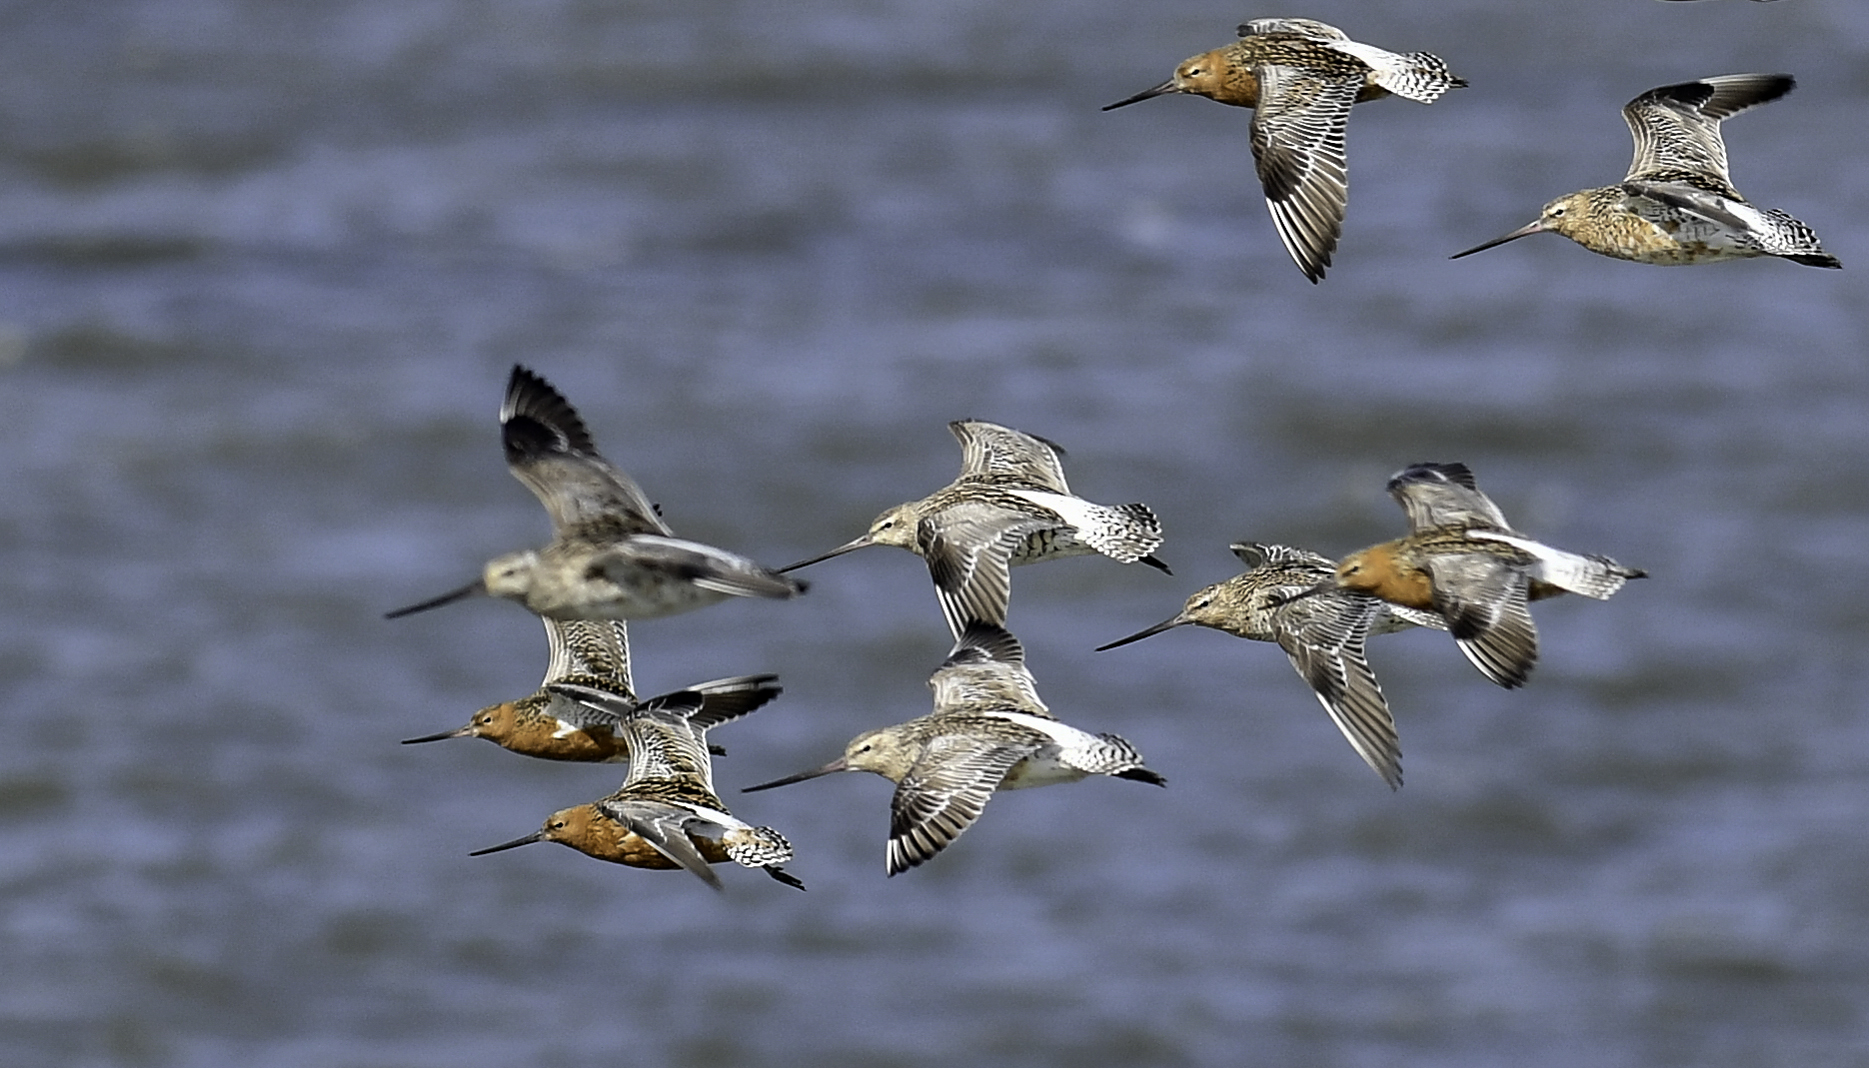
x: 1677, y: 205
x: 1461, y: 568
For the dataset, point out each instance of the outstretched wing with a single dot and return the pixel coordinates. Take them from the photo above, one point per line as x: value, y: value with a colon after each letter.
x: 995, y: 452
x: 1443, y: 495
x: 1483, y: 600
x: 1677, y: 127
x: 943, y: 794
x: 549, y: 449
x: 690, y: 561
x: 1297, y: 144
x: 986, y: 669
x: 1323, y: 635
x: 1317, y: 31
x: 969, y: 549
x: 590, y: 647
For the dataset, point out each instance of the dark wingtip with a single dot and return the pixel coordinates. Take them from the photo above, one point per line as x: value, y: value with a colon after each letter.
x: 537, y: 418
x: 1142, y: 775
x: 1155, y: 563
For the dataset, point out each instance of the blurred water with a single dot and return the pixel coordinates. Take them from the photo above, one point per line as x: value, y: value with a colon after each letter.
x: 263, y: 269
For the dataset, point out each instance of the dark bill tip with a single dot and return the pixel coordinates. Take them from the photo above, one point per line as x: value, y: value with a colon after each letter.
x: 514, y: 844
x: 850, y: 546
x: 436, y: 602
x: 1166, y: 87
x: 1529, y: 228
x: 835, y: 765
x: 1165, y: 624
x: 443, y: 736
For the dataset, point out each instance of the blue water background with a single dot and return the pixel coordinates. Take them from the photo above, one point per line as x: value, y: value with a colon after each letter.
x: 264, y: 267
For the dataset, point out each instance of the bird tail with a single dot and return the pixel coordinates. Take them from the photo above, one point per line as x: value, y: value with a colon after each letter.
x: 1126, y: 532
x: 1592, y: 576
x: 1419, y: 76
x: 1795, y: 241
x: 1117, y: 757
x: 756, y: 847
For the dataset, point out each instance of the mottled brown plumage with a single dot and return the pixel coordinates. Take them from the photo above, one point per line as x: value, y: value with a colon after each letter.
x: 1301, y: 78
x: 1677, y: 205
x: 666, y: 814
x: 1322, y: 634
x: 1473, y: 571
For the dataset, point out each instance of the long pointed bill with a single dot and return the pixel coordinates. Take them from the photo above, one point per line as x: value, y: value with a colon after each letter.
x: 1165, y: 624
x: 835, y: 765
x: 1166, y: 87
x: 436, y: 602
x: 850, y: 546
x: 442, y: 737
x: 535, y: 836
x: 1536, y: 226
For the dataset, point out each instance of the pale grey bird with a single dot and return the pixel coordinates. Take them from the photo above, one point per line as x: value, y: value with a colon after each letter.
x: 1010, y: 505
x: 984, y: 735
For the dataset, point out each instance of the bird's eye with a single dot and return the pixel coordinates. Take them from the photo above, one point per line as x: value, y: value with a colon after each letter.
x: 558, y: 825
x: 1557, y: 212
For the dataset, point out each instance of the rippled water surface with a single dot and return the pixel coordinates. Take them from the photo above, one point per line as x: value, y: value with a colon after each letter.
x: 264, y: 267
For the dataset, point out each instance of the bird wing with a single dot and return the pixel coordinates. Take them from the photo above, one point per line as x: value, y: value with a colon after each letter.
x: 664, y: 827
x: 1323, y: 636
x: 1297, y: 144
x: 724, y: 700
x: 549, y: 449
x: 594, y: 647
x: 659, y: 734
x: 664, y: 744
x: 1258, y: 554
x: 989, y: 450
x: 703, y: 565
x: 986, y: 667
x: 1483, y: 600
x: 943, y: 793
x: 1677, y: 127
x: 1443, y: 495
x: 1317, y: 31
x: 969, y: 549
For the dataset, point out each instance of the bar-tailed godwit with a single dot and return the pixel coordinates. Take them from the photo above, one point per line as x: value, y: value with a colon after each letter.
x: 1677, y: 205
x: 1300, y: 77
